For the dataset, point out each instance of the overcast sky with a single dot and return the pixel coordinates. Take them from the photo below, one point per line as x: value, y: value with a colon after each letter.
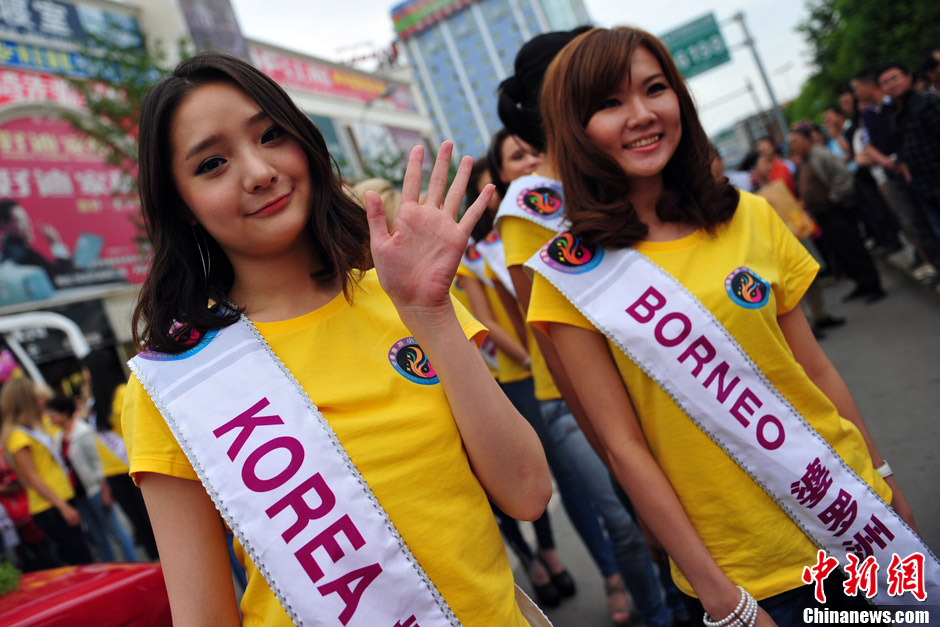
x: 341, y: 30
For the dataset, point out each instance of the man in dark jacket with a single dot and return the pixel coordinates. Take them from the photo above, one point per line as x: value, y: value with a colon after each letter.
x: 827, y: 188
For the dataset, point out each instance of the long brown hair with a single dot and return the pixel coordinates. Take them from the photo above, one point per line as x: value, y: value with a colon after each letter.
x: 19, y: 406
x: 177, y: 287
x: 577, y: 83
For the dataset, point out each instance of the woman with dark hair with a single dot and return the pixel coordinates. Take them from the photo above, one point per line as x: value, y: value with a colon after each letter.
x: 531, y: 214
x: 509, y: 157
x: 674, y: 299
x: 286, y: 390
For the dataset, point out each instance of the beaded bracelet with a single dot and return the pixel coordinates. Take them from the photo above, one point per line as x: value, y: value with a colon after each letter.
x: 748, y: 617
x: 731, y: 620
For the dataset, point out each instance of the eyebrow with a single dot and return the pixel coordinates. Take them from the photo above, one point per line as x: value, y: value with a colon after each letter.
x: 653, y: 77
x: 210, y: 141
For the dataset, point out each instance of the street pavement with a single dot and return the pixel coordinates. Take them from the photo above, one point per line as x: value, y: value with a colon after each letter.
x: 889, y: 355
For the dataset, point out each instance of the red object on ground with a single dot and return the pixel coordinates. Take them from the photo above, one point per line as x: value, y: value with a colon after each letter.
x: 98, y: 595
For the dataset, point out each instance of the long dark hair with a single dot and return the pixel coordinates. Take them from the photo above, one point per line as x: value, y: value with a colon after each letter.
x: 577, y: 83
x: 176, y: 288
x: 494, y: 160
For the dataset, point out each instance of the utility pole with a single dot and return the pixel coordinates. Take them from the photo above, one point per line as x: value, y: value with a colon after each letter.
x: 749, y: 42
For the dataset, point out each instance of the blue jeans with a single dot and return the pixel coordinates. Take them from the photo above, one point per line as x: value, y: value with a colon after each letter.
x: 580, y: 466
x: 103, y: 524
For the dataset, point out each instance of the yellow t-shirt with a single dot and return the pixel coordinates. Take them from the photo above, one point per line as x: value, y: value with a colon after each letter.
x: 754, y: 542
x: 110, y: 463
x: 508, y: 369
x: 521, y: 239
x: 47, y: 468
x: 117, y: 406
x: 461, y: 296
x: 400, y: 434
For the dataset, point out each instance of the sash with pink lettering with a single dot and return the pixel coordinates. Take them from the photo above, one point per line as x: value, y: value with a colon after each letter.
x: 286, y: 487
x: 537, y: 199
x: 685, y: 349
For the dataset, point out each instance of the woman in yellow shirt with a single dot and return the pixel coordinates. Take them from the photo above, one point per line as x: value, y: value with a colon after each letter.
x: 243, y: 206
x: 41, y: 469
x: 634, y: 162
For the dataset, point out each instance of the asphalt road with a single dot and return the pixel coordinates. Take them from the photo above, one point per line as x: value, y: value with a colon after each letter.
x: 889, y: 355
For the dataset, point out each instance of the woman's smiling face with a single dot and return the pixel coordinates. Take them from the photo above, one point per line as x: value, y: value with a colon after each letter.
x: 640, y: 124
x: 242, y: 177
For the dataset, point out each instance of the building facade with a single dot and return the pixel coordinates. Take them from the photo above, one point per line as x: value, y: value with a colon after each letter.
x: 460, y: 50
x: 71, y: 240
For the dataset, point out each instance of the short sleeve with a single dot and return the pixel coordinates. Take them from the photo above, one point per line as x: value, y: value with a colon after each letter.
x: 463, y: 270
x: 547, y: 304
x: 472, y: 328
x: 796, y: 268
x: 17, y: 441
x: 521, y: 239
x: 151, y: 446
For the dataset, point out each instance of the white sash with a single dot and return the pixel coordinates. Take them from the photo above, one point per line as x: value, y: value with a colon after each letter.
x: 475, y: 263
x: 537, y: 199
x: 286, y: 487
x: 491, y: 247
x: 114, y: 443
x: 45, y: 440
x: 680, y: 344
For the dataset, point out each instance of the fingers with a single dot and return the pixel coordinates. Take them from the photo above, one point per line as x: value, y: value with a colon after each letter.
x: 476, y: 210
x: 457, y: 189
x: 411, y: 186
x: 375, y: 211
x: 438, y: 182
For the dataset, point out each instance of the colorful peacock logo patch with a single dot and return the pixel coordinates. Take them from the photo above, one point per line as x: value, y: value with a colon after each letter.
x: 407, y: 357
x: 543, y: 201
x: 472, y: 253
x: 492, y: 237
x: 567, y: 253
x: 189, y: 336
x: 747, y: 289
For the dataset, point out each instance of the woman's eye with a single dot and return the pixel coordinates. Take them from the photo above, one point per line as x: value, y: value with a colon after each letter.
x: 210, y: 165
x: 272, y: 134
x: 655, y: 88
x: 610, y: 103
x: 517, y: 156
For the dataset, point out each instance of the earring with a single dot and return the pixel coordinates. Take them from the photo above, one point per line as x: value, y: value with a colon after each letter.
x: 204, y: 258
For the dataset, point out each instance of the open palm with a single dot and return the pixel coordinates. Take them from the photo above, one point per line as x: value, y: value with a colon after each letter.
x: 417, y: 256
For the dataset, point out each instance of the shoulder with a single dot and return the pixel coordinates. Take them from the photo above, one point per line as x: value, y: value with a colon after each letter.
x: 18, y: 439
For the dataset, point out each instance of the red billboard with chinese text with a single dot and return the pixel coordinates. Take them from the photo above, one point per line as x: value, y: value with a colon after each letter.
x: 67, y: 218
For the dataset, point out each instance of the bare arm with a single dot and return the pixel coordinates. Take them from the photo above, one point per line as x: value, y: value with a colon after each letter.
x: 820, y: 370
x: 503, y: 449
x: 523, y: 286
x: 193, y: 551
x: 482, y: 311
x: 597, y: 381
x: 512, y: 310
x: 23, y: 459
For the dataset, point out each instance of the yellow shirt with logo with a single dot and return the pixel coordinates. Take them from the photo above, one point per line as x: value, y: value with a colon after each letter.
x: 521, y: 239
x: 754, y: 542
x: 402, y: 437
x: 47, y: 468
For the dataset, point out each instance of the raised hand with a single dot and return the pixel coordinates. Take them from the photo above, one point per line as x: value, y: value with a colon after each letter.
x: 417, y: 256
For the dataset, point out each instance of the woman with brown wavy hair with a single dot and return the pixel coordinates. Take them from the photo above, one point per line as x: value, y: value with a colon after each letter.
x: 709, y: 388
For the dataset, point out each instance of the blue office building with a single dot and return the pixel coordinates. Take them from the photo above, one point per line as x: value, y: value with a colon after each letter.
x: 460, y: 50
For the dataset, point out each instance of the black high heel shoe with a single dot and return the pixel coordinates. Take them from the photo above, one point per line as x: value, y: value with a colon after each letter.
x: 562, y: 581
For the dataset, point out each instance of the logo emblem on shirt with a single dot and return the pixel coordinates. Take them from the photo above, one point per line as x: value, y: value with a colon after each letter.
x: 472, y: 253
x: 492, y: 237
x: 567, y: 253
x: 191, y: 337
x: 747, y: 289
x: 407, y: 357
x: 543, y: 201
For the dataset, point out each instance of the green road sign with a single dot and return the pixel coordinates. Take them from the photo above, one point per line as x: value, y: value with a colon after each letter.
x: 697, y: 46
